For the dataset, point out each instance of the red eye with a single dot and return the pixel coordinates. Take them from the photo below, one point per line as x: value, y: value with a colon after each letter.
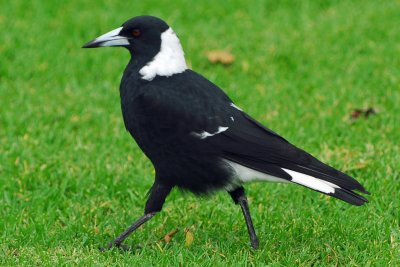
x: 136, y: 33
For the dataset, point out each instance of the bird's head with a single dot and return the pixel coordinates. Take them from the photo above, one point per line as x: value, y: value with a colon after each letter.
x: 150, y: 39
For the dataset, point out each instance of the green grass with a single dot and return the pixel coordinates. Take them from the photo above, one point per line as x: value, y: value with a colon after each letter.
x: 71, y: 177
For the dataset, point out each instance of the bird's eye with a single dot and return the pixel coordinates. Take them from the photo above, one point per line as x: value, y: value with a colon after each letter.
x: 136, y: 32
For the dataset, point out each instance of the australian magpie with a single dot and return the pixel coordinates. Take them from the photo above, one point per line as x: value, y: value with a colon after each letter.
x: 195, y: 136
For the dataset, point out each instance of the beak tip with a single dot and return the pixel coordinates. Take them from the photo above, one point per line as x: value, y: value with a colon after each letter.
x: 91, y: 44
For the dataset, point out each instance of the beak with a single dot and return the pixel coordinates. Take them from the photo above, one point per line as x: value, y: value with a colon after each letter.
x: 111, y: 38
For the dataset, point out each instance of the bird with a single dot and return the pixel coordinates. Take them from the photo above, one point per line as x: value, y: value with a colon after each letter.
x: 197, y: 139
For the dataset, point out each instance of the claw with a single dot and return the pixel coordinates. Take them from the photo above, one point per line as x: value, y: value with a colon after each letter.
x: 122, y: 247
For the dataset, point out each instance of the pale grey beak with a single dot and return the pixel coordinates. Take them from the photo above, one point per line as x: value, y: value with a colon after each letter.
x: 111, y: 38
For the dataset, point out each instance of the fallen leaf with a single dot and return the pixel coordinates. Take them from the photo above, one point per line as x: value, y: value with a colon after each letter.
x: 356, y: 113
x: 220, y: 56
x: 168, y: 237
x: 189, y: 237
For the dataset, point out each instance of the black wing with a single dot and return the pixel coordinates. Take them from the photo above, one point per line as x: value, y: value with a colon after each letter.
x: 252, y: 145
x: 201, y: 107
x: 185, y: 104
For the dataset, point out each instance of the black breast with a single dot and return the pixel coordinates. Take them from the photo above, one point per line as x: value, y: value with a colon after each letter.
x: 178, y: 157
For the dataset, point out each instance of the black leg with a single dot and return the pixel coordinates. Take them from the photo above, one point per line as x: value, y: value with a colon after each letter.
x: 118, y: 241
x: 239, y: 197
x: 158, y: 193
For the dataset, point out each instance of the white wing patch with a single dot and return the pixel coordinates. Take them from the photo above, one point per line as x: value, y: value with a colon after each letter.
x: 169, y: 61
x: 244, y: 174
x: 311, y: 182
x: 234, y: 106
x: 205, y: 134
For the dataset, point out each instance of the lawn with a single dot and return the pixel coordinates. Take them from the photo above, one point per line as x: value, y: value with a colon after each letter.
x: 71, y: 177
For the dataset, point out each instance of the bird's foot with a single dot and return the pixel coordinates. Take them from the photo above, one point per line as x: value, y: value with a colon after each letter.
x: 254, y: 243
x: 122, y: 247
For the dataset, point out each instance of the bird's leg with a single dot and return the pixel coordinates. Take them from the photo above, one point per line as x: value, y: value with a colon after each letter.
x: 157, y: 195
x: 118, y: 241
x: 239, y: 197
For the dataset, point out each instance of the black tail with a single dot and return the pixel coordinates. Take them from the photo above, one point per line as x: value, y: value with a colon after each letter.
x: 349, y: 196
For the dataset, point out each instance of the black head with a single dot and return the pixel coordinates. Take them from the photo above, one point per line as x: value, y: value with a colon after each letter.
x: 154, y: 46
x: 141, y: 35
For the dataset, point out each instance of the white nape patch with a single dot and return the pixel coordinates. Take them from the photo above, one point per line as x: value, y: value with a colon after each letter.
x: 233, y: 105
x: 311, y: 182
x: 205, y: 134
x: 232, y: 118
x: 169, y: 61
x: 244, y: 174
